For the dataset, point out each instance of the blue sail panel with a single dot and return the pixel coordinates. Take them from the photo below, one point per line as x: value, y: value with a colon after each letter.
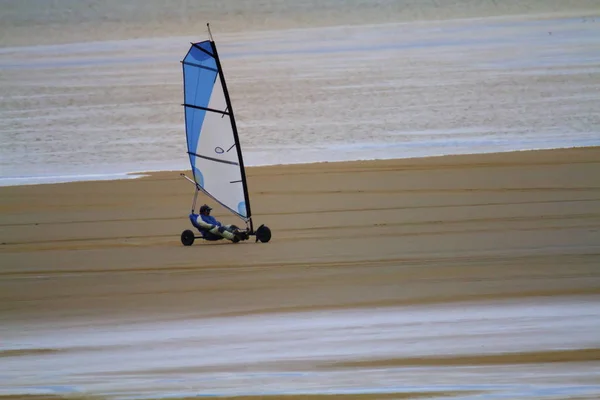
x: 199, y: 75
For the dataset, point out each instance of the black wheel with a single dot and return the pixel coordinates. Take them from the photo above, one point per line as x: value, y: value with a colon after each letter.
x: 263, y: 233
x: 187, y: 237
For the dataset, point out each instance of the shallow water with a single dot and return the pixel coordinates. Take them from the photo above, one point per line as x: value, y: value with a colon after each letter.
x: 101, y: 109
x: 382, y: 350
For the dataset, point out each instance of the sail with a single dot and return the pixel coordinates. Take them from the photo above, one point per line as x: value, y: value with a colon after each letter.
x: 212, y: 139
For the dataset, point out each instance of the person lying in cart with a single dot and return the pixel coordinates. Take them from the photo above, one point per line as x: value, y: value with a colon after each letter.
x: 213, y: 230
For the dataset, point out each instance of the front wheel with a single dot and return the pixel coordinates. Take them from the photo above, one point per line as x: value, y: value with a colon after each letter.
x: 187, y: 237
x: 263, y: 233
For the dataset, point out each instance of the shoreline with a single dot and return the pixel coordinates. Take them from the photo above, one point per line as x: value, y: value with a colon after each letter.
x: 132, y: 175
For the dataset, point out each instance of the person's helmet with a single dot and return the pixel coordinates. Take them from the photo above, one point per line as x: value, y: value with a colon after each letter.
x: 205, y: 209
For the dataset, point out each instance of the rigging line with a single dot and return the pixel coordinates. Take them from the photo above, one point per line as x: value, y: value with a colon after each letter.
x: 213, y: 159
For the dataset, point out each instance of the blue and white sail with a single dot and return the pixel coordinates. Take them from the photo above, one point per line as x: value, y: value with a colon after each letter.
x: 212, y: 139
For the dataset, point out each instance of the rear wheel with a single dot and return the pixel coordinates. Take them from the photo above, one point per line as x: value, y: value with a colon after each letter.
x: 263, y: 233
x: 187, y: 237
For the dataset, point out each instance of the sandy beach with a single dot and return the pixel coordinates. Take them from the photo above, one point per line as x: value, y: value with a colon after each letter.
x: 472, y: 274
x: 433, y: 232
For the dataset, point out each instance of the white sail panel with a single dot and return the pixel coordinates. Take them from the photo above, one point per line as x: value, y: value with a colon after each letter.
x: 216, y: 155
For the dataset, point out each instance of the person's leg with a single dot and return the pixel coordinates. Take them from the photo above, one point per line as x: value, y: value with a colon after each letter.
x: 217, y: 230
x: 224, y: 232
x: 241, y: 234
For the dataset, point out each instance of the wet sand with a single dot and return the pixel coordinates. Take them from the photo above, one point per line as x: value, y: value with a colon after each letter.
x: 34, y: 22
x: 389, y: 279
